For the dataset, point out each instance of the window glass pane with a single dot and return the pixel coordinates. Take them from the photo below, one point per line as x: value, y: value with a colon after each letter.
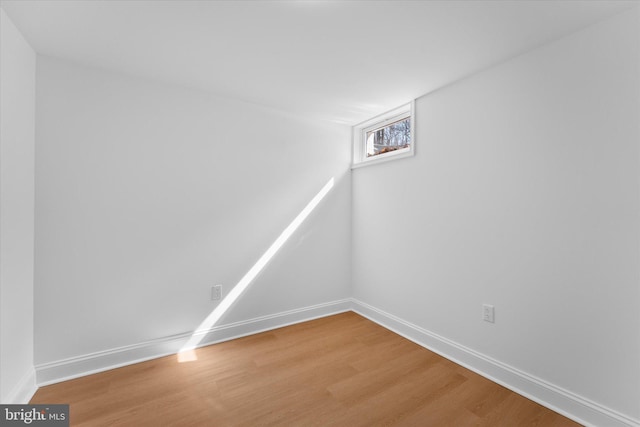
x: 394, y: 136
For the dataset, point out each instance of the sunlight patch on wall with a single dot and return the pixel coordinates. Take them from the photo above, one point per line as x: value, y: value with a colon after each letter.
x: 187, y: 352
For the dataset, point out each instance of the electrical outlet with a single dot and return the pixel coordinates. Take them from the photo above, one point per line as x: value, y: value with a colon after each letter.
x: 488, y: 313
x: 216, y: 292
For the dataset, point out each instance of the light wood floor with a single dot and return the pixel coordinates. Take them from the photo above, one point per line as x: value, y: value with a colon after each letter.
x: 342, y: 370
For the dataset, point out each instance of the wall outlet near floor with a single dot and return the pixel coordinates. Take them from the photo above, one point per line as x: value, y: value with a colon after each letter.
x: 488, y: 313
x: 216, y: 292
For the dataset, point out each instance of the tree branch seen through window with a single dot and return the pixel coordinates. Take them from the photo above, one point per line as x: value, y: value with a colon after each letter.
x: 389, y: 138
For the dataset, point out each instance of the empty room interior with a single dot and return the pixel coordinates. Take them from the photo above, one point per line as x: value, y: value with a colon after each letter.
x: 329, y: 213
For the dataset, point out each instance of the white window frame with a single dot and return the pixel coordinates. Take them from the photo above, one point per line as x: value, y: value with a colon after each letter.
x: 360, y: 158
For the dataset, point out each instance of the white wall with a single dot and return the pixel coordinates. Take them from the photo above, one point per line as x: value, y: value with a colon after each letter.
x: 147, y: 195
x: 523, y: 194
x: 17, y: 116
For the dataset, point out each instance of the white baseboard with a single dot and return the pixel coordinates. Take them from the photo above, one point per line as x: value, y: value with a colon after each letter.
x: 22, y: 393
x: 62, y: 370
x: 553, y: 397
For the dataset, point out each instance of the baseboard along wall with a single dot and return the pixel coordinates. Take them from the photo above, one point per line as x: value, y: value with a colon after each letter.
x: 63, y: 370
x: 553, y: 397
x: 23, y: 391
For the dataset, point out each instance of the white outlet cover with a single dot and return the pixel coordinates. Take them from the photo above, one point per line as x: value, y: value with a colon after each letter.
x: 488, y: 313
x: 216, y: 292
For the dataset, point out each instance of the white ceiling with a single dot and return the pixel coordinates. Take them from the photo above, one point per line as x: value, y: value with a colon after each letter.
x: 344, y: 61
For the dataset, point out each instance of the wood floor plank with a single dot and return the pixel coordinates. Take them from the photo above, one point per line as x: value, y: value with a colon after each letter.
x: 342, y: 370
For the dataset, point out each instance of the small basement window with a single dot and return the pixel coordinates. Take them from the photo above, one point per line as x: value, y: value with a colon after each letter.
x: 386, y: 137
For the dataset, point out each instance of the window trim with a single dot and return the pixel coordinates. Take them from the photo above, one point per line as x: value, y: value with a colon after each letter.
x: 359, y: 136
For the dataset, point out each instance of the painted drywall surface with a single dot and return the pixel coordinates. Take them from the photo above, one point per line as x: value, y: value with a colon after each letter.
x: 147, y: 195
x: 17, y: 118
x: 523, y: 194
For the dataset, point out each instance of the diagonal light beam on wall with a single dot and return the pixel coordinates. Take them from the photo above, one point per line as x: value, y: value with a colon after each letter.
x: 186, y: 353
